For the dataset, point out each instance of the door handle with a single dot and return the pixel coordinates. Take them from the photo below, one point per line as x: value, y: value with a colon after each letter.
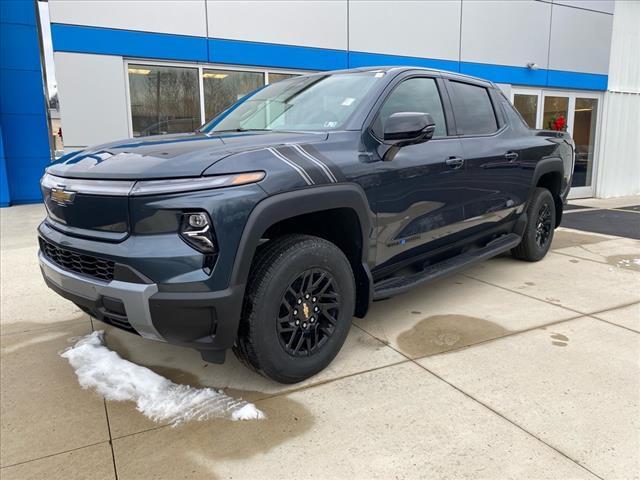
x: 511, y: 156
x: 455, y: 162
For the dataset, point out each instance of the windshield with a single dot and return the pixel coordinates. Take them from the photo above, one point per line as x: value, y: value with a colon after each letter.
x: 318, y: 102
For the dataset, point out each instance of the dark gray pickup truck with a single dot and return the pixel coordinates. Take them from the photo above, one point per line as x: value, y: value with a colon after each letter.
x: 268, y: 228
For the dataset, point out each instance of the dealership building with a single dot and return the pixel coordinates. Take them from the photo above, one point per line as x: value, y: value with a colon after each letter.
x: 148, y: 67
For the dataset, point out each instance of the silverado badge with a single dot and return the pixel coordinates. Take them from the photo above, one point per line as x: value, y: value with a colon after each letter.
x: 62, y: 197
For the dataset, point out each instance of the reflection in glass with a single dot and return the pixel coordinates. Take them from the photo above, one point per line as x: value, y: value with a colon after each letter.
x: 584, y: 132
x: 163, y: 99
x: 315, y: 102
x: 555, y: 113
x: 276, y: 77
x: 223, y: 88
x: 527, y: 105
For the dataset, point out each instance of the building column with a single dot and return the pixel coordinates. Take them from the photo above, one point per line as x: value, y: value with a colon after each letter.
x: 619, y: 160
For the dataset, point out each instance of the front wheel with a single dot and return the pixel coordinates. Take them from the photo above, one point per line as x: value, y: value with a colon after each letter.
x: 541, y: 222
x: 297, y: 310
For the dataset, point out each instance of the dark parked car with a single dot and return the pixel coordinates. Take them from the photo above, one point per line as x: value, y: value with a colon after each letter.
x: 270, y: 227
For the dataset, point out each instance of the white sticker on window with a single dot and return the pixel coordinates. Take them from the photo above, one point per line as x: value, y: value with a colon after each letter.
x: 330, y: 124
x: 348, y: 101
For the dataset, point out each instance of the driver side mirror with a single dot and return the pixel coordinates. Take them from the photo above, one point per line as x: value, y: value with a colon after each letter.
x: 406, y: 128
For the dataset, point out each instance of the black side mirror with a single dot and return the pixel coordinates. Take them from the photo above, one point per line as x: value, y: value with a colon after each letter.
x: 405, y: 128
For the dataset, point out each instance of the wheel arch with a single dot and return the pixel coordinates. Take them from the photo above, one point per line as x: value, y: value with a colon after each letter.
x: 549, y: 174
x: 285, y: 206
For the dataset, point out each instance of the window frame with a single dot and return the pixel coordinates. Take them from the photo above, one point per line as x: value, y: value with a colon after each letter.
x: 497, y: 113
x: 200, y: 67
x: 390, y: 88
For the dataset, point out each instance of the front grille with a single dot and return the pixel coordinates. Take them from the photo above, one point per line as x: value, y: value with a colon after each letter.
x: 78, y: 262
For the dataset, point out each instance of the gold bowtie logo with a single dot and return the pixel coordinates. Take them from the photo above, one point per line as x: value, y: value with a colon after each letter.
x: 62, y: 197
x: 305, y: 310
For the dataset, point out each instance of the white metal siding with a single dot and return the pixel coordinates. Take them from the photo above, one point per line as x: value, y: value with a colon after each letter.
x: 580, y: 40
x: 93, y: 102
x: 506, y: 33
x: 313, y: 23
x: 415, y: 29
x: 183, y: 17
x: 605, y: 6
x: 619, y: 172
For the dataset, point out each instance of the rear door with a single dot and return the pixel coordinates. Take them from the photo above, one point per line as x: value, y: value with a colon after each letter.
x: 494, y: 183
x: 417, y: 194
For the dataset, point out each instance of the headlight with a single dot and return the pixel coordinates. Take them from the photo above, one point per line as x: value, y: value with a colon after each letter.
x: 154, y: 187
x: 197, y: 231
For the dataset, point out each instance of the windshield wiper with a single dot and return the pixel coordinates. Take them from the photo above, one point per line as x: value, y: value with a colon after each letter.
x: 242, y: 130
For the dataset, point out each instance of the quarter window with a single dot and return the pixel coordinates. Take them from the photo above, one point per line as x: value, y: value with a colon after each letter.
x: 472, y: 109
x: 413, y: 95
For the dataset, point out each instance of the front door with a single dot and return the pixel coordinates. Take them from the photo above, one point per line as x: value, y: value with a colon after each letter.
x: 418, y: 196
x: 574, y: 112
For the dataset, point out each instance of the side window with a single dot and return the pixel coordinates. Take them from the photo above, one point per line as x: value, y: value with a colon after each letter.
x: 413, y: 95
x: 513, y: 117
x: 472, y: 109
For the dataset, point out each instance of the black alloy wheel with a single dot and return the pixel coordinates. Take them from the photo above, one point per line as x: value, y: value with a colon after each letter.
x: 309, y: 311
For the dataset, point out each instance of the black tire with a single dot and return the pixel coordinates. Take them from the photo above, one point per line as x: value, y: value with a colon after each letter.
x: 541, y: 222
x: 283, y: 272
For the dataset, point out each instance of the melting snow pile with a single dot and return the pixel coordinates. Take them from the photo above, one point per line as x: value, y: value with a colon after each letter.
x: 156, y: 397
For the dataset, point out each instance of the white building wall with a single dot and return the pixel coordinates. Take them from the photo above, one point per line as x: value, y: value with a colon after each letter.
x: 408, y: 28
x: 506, y: 33
x: 93, y: 102
x: 580, y: 40
x: 619, y: 171
x: 312, y: 23
x: 182, y: 17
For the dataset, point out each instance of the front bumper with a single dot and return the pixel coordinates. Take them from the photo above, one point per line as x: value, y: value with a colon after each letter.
x: 206, y: 321
x: 89, y: 293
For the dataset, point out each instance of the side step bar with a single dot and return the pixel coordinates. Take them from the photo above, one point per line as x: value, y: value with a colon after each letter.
x: 396, y: 285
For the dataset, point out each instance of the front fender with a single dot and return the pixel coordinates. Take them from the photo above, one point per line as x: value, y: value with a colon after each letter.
x: 299, y: 202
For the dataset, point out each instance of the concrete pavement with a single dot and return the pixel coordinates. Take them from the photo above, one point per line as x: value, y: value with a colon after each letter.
x: 507, y: 370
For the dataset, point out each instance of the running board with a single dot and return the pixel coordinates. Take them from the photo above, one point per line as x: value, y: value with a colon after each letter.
x: 396, y: 285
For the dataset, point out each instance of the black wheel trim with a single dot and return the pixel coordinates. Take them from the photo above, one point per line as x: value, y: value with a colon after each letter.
x: 543, y: 226
x: 303, y: 325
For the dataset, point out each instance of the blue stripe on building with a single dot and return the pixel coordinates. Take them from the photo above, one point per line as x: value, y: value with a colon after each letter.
x: 129, y: 43
x: 24, y: 142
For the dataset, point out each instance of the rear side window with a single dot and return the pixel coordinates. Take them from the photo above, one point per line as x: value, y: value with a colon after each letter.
x: 413, y: 95
x: 473, y: 109
x: 515, y: 120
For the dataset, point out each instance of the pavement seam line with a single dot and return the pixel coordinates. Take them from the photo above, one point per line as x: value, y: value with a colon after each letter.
x: 586, y: 314
x: 591, y: 260
x: 512, y: 334
x: 53, y: 455
x: 512, y: 422
x: 288, y: 392
x: 495, y: 412
x: 614, y: 324
x: 113, y: 454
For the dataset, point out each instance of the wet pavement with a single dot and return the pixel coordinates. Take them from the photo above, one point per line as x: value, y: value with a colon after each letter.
x: 506, y: 370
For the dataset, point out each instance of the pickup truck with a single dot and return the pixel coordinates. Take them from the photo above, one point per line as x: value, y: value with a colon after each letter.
x: 275, y: 223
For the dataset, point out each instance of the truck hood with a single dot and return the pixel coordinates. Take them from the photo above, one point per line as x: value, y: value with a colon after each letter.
x: 168, y: 156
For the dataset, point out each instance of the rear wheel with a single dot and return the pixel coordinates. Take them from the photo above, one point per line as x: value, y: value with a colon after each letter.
x: 541, y: 222
x: 297, y: 310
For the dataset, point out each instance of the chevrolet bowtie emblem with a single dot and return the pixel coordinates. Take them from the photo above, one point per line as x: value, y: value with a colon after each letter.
x: 305, y: 309
x: 62, y: 197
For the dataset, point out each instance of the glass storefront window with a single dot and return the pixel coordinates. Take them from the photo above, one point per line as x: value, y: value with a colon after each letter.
x: 584, y: 134
x: 163, y: 99
x: 276, y: 77
x: 527, y: 105
x: 554, y: 116
x: 223, y: 88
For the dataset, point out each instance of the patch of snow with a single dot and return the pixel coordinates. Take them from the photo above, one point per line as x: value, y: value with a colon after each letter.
x: 156, y: 396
